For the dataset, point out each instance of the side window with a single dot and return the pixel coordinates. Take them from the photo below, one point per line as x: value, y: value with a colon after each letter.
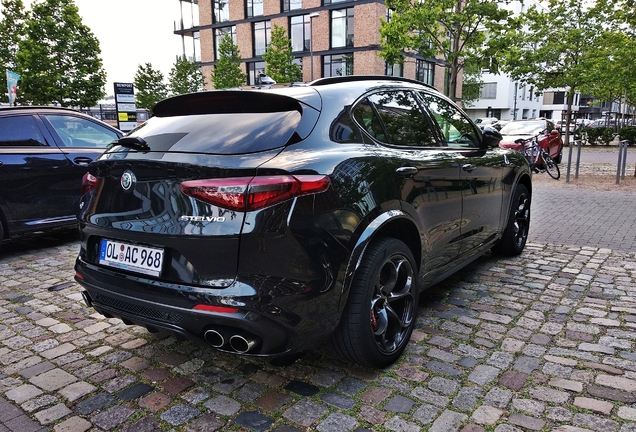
x: 402, y: 118
x: 80, y: 132
x: 456, y: 129
x: 368, y: 120
x: 344, y: 129
x: 20, y: 131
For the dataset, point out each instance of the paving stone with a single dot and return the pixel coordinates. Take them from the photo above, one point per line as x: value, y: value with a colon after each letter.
x: 94, y: 403
x: 399, y: 404
x: 302, y: 388
x: 305, y: 412
x: 443, y: 385
x: 526, y: 422
x: 548, y: 395
x: 448, y: 421
x: 483, y: 374
x: 337, y: 422
x: 400, y: 425
x: 146, y: 424
x: 627, y: 413
x: 530, y: 406
x: 593, y: 405
x: 155, y: 401
x: 372, y: 415
x: 113, y: 417
x: 611, y: 394
x: 426, y: 413
x: 23, y: 393
x: 559, y: 414
x: 53, y: 380
x: 526, y: 364
x: 375, y: 395
x: 177, y: 385
x: 616, y: 382
x: 74, y: 424
x: 273, y: 401
x: 338, y: 401
x: 223, y: 405
x: 180, y: 414
x: 486, y: 415
x: 467, y: 398
x: 513, y: 380
x: 597, y: 348
x: 135, y: 392
x: 593, y: 422
x: 210, y: 423
x: 52, y: 414
x: 443, y: 368
x: 37, y: 369
x: 498, y: 397
x: 327, y: 378
x: 427, y: 395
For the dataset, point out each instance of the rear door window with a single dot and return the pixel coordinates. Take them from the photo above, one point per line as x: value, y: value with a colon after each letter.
x: 80, y: 132
x: 395, y: 117
x: 20, y: 131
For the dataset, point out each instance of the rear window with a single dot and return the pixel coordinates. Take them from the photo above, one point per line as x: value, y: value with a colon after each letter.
x: 225, y: 133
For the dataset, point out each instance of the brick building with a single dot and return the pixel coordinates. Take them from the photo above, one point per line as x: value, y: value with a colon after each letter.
x: 341, y: 37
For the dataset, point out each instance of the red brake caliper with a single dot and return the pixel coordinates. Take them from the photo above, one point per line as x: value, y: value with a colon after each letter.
x: 374, y: 320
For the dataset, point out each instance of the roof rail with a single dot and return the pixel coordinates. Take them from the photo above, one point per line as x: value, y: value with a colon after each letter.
x: 351, y: 78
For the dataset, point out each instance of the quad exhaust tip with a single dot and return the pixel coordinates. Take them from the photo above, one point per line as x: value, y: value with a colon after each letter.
x: 243, y: 342
x: 216, y: 338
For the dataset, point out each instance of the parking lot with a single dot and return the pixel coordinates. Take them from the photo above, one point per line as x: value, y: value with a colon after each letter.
x: 544, y: 341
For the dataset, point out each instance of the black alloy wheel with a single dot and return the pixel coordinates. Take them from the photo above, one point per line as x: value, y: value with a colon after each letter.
x: 380, y: 315
x: 515, y: 235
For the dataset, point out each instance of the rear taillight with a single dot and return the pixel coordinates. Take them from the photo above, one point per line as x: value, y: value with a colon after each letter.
x: 253, y: 193
x: 89, y: 182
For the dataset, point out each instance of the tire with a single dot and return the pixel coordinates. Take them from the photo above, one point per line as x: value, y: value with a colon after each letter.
x: 378, y: 320
x: 1, y: 233
x: 514, y: 237
x: 551, y: 167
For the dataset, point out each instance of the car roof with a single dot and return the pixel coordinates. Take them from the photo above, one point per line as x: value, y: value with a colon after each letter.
x: 37, y: 108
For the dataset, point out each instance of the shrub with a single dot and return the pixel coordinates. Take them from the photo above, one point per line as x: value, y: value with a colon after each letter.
x: 600, y: 135
x: 628, y: 134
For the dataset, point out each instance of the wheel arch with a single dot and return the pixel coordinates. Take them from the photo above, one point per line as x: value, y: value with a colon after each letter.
x: 395, y: 224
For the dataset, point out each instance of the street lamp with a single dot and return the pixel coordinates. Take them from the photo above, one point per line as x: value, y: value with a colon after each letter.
x: 311, y: 41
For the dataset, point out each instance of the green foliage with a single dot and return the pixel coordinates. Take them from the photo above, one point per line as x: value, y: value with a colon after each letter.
x: 550, y: 46
x: 600, y: 135
x: 185, y: 77
x: 472, y: 84
x: 59, y: 58
x: 227, y: 72
x: 150, y: 87
x: 279, y: 59
x: 454, y: 30
x: 12, y: 28
x: 628, y: 134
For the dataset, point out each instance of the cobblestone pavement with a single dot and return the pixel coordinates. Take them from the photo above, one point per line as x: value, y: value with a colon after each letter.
x: 540, y: 342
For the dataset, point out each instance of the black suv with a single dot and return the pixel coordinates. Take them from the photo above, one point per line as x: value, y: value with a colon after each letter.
x: 264, y: 222
x: 44, y: 153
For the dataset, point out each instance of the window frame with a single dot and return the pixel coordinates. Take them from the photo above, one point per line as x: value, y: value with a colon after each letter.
x: 347, y: 20
x: 267, y: 30
x: 348, y: 65
x: 306, y: 31
x: 249, y: 8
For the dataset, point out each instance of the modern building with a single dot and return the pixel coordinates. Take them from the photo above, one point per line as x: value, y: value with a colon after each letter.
x: 329, y: 37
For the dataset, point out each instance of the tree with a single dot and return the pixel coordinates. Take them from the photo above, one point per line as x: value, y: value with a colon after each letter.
x: 12, y: 28
x: 551, y: 47
x: 279, y: 61
x: 59, y: 58
x: 453, y: 30
x: 185, y: 77
x: 227, y: 72
x: 150, y: 86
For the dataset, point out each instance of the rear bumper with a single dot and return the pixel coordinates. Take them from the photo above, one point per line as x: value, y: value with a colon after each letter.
x: 257, y: 328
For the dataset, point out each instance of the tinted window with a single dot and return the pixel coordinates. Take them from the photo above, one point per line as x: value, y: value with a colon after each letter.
x: 402, y: 119
x: 457, y: 130
x: 20, y: 131
x: 220, y: 133
x: 80, y: 132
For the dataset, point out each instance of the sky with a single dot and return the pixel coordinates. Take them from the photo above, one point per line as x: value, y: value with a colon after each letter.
x: 130, y: 33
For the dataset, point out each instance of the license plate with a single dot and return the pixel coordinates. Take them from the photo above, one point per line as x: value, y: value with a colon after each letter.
x: 139, y: 259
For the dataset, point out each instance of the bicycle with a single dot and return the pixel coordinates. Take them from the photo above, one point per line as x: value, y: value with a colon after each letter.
x: 538, y: 157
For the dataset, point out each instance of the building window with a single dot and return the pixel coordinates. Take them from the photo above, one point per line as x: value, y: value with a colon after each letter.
x: 327, y: 2
x: 218, y: 34
x: 221, y: 10
x: 559, y: 98
x: 337, y: 65
x: 342, y: 28
x: 393, y: 70
x: 424, y: 71
x: 489, y: 91
x: 290, y: 5
x: 262, y: 34
x: 253, y: 8
x: 254, y: 69
x: 300, y: 33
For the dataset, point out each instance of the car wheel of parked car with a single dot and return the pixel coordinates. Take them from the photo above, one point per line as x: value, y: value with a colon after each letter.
x: 1, y: 233
x: 515, y: 235
x: 380, y: 314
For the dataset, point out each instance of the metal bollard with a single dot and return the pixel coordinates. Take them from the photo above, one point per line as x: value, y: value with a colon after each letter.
x: 622, y: 161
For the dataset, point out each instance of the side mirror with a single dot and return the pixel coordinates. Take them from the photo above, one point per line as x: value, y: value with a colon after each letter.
x: 490, y: 137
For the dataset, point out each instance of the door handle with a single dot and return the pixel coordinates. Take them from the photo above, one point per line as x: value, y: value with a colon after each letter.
x: 469, y: 167
x: 406, y: 171
x: 82, y: 160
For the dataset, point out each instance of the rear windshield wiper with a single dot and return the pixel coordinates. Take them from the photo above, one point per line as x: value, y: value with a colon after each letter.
x: 135, y: 143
